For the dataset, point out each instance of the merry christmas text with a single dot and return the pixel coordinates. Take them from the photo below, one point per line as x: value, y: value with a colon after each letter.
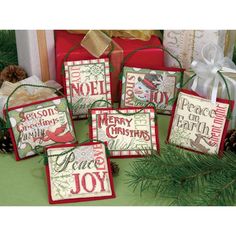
x: 118, y: 125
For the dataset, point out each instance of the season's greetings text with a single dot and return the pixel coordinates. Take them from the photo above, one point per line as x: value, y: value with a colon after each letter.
x: 197, y: 120
x: 88, y: 175
x: 34, y: 124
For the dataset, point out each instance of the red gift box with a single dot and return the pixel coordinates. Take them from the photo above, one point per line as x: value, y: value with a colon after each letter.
x: 150, y: 58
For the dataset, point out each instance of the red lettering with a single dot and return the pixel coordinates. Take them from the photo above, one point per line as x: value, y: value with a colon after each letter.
x: 92, y: 88
x: 102, y: 87
x: 101, y: 179
x: 102, y: 120
x: 84, y: 184
x: 99, y: 159
x: 100, y: 162
x: 159, y: 97
x: 166, y: 97
x: 108, y: 131
x: 75, y: 89
x: 83, y: 91
x: 129, y: 90
x: 75, y: 74
x: 77, y: 184
x: 86, y: 179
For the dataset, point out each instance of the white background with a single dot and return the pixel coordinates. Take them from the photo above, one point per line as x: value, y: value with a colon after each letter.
x: 117, y: 14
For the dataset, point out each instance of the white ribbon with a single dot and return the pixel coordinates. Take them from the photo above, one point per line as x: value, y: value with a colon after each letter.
x: 213, y: 60
x: 207, y: 75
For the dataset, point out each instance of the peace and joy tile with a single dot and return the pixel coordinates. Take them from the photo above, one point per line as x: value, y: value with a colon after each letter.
x: 140, y: 86
x: 40, y: 124
x: 86, y: 82
x: 130, y: 134
x: 82, y: 173
x: 198, y: 124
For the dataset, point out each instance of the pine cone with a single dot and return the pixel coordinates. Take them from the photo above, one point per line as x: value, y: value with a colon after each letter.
x: 114, y: 168
x: 13, y: 74
x: 230, y: 141
x: 5, y: 143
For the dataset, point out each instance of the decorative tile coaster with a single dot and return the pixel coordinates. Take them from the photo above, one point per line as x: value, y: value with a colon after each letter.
x: 83, y: 173
x: 131, y: 134
x: 197, y: 124
x: 40, y: 123
x: 87, y: 81
x: 140, y: 86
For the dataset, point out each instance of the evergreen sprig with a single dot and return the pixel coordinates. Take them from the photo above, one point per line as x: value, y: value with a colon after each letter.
x: 8, y: 52
x: 186, y: 178
x: 234, y: 54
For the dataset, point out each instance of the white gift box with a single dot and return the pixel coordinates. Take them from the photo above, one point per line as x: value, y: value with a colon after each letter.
x: 36, y: 52
x: 205, y: 89
x: 215, y: 77
x: 187, y: 44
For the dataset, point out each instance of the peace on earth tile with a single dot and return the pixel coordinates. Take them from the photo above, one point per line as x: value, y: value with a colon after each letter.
x: 198, y: 124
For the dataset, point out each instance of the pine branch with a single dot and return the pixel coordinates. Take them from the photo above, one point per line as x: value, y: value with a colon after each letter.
x: 185, y: 177
x: 220, y: 192
x: 234, y: 55
x: 8, y: 52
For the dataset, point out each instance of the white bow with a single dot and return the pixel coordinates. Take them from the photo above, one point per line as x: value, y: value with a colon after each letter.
x: 213, y: 60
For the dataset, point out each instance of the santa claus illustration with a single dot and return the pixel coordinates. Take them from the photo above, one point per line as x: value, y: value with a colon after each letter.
x: 145, y: 86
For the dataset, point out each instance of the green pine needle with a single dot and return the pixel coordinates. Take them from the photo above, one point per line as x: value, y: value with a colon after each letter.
x: 234, y: 54
x: 8, y: 52
x: 186, y: 178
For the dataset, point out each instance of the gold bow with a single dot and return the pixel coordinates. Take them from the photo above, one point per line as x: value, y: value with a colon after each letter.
x: 97, y: 41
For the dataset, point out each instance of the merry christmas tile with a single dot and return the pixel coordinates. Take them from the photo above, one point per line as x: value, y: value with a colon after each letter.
x: 40, y: 124
x: 198, y: 124
x: 86, y: 82
x: 129, y: 132
x: 140, y: 86
x: 81, y: 173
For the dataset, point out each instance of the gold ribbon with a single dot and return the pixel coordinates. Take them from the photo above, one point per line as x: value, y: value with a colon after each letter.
x: 230, y: 39
x: 96, y: 42
x: 99, y: 42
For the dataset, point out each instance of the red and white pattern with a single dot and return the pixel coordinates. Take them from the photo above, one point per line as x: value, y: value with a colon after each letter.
x: 86, y: 72
x: 73, y: 183
x: 125, y: 146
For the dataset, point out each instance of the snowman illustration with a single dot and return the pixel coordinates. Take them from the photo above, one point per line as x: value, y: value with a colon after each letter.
x: 144, y: 88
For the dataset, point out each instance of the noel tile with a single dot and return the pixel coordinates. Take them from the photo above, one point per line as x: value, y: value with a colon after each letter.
x: 198, y: 124
x: 83, y: 173
x: 40, y: 124
x: 86, y: 82
x: 130, y: 135
x: 140, y: 86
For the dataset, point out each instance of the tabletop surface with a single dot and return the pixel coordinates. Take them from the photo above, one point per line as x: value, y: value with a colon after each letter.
x: 23, y: 183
